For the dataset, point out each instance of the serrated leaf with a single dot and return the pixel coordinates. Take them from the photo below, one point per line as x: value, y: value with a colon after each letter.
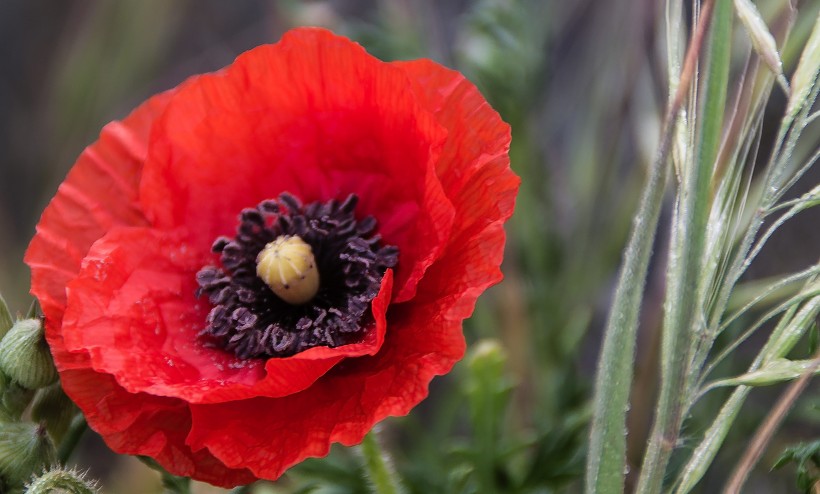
x: 807, y: 457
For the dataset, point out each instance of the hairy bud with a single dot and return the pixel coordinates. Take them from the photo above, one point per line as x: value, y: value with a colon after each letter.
x: 55, y: 409
x: 25, y: 357
x: 25, y: 449
x: 59, y: 480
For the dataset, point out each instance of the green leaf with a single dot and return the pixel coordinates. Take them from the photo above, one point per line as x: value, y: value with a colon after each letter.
x: 776, y: 371
x: 562, y: 449
x: 788, y: 332
x: 805, y: 76
x: 807, y: 457
x: 6, y: 321
x: 762, y: 39
x: 34, y: 310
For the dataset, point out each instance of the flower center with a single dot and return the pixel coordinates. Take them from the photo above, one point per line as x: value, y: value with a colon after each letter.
x: 288, y: 267
x: 294, y: 277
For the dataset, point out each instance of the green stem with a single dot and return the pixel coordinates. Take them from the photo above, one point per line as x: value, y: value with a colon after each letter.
x: 171, y: 483
x: 175, y: 485
x: 684, y: 293
x: 243, y: 489
x: 606, y: 460
x: 607, y: 455
x: 72, y: 438
x: 783, y: 338
x: 383, y: 478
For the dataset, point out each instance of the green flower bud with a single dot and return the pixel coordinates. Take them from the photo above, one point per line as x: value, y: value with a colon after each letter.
x: 25, y: 357
x: 67, y: 481
x: 25, y: 449
x: 52, y: 407
x: 487, y: 358
x: 15, y: 400
x: 488, y: 388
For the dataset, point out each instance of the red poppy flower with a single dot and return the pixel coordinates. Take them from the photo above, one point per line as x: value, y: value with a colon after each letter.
x: 395, y: 174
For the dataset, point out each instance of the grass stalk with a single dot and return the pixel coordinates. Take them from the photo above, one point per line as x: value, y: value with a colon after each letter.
x: 764, y: 434
x: 788, y: 332
x: 779, y: 176
x: 683, y: 308
x: 606, y: 459
x: 607, y: 454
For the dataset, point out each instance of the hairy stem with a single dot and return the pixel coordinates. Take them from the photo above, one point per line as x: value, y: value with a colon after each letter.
x: 683, y: 314
x: 607, y: 450
x: 379, y: 470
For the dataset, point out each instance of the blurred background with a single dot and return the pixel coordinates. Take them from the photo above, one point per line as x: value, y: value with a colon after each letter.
x: 583, y: 84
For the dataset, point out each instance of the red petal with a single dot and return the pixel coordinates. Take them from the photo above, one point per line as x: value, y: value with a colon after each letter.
x: 425, y: 337
x: 132, y: 310
x: 343, y: 122
x: 268, y: 435
x: 313, y: 115
x: 143, y: 424
x: 474, y: 169
x: 99, y: 192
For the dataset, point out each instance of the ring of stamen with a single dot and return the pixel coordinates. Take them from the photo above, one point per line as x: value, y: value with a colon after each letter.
x: 250, y: 316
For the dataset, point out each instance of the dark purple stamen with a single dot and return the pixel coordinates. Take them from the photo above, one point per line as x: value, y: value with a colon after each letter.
x: 249, y: 320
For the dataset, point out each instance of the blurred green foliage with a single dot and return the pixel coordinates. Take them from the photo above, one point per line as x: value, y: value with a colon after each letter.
x: 807, y: 458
